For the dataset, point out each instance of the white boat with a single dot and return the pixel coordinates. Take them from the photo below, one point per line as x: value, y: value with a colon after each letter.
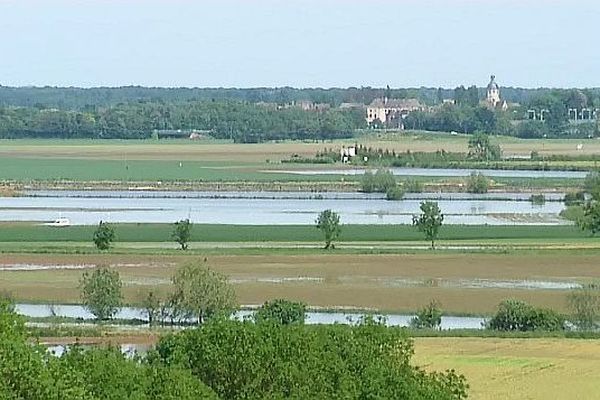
x: 59, y: 223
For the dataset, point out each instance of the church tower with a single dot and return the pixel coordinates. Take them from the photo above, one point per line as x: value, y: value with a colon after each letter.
x: 493, y: 92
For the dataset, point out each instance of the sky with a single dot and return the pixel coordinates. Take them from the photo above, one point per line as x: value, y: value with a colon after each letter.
x: 300, y: 43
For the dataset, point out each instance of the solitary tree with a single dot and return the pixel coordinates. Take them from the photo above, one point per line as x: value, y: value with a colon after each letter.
x: 182, y: 233
x: 590, y: 221
x: 282, y: 312
x: 328, y: 222
x: 429, y: 221
x: 202, y: 292
x: 152, y: 306
x: 101, y: 292
x: 429, y: 317
x: 104, y: 235
x: 480, y: 148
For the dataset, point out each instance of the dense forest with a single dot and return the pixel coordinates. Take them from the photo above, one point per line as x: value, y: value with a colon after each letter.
x: 259, y: 114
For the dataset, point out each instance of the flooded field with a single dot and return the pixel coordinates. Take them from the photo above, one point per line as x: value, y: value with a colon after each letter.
x: 256, y: 208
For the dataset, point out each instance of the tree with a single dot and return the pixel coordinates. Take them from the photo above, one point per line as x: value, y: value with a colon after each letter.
x: 430, y: 317
x: 182, y: 233
x: 101, y: 292
x: 477, y: 183
x: 328, y: 222
x: 152, y: 305
x: 202, y: 292
x: 282, y: 312
x: 429, y: 221
x: 517, y: 315
x: 590, y: 221
x: 481, y: 149
x: 104, y: 235
x: 584, y: 304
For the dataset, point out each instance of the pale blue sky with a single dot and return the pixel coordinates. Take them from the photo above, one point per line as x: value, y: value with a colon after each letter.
x: 302, y: 43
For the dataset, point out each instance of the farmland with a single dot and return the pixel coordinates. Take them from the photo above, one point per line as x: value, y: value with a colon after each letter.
x: 517, y: 368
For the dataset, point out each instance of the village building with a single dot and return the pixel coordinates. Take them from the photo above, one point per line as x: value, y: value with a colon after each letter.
x: 391, y: 112
x: 493, y: 99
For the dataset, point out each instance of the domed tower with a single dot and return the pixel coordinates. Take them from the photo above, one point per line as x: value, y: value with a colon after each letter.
x: 493, y: 92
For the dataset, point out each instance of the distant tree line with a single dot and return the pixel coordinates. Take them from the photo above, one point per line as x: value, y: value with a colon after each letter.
x: 239, y: 121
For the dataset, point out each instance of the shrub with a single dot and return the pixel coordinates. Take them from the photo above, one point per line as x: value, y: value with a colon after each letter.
x: 380, y: 182
x: 412, y: 186
x: 282, y: 312
x: 537, y: 199
x: 517, y: 315
x: 430, y: 317
x: 395, y: 193
x: 574, y: 198
x: 477, y: 183
x: 104, y: 235
x: 584, y: 304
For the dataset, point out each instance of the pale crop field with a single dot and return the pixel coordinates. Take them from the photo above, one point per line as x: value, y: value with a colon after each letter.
x: 515, y: 369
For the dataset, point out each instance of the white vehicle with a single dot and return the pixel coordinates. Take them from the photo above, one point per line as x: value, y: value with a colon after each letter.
x: 59, y: 223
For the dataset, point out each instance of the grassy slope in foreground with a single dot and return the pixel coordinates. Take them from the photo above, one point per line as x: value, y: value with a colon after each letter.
x: 27, y: 232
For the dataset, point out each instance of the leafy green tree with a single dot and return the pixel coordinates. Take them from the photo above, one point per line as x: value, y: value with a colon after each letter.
x: 481, y: 148
x: 429, y: 221
x: 101, y: 292
x: 590, y: 221
x: 244, y: 360
x: 395, y: 193
x: 151, y: 305
x: 517, y: 315
x: 430, y: 317
x: 281, y: 311
x: 477, y: 183
x: 584, y: 304
x: 202, y: 292
x: 182, y: 233
x: 104, y: 236
x: 328, y: 222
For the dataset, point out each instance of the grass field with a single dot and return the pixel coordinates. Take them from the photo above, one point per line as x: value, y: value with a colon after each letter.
x: 182, y: 160
x: 515, y: 369
x: 392, y: 282
x: 488, y: 234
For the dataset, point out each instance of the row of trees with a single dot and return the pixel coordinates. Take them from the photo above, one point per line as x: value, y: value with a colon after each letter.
x: 239, y: 121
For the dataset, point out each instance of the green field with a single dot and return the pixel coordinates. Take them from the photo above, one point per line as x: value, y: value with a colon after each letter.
x: 27, y: 232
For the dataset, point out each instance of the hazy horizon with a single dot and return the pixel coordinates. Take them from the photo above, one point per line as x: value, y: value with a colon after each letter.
x: 302, y: 44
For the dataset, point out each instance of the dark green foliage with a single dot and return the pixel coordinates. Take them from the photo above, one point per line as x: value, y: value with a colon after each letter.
x: 101, y: 292
x: 590, y: 221
x: 584, y: 304
x: 429, y: 317
x: 517, y: 315
x: 201, y: 292
x: 429, y: 221
x: 574, y: 199
x: 537, y: 199
x: 104, y: 235
x: 394, y: 193
x: 412, y: 186
x: 591, y: 184
x: 328, y: 222
x: 477, y: 183
x: 243, y: 360
x: 481, y: 149
x: 282, y: 312
x: 382, y: 181
x: 182, y: 232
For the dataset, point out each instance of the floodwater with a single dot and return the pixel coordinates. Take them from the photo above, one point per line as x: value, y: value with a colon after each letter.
x: 442, y: 172
x: 77, y: 311
x: 255, y: 209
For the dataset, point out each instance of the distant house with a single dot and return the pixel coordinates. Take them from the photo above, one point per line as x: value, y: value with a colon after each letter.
x: 391, y: 112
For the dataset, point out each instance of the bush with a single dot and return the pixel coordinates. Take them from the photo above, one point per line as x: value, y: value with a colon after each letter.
x: 395, y: 193
x: 282, y: 312
x: 477, y: 183
x: 517, y: 315
x: 537, y: 199
x: 243, y: 360
x: 430, y: 317
x: 572, y: 213
x: 412, y: 186
x: 104, y: 235
x: 574, y: 199
x: 585, y: 306
x: 380, y: 182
